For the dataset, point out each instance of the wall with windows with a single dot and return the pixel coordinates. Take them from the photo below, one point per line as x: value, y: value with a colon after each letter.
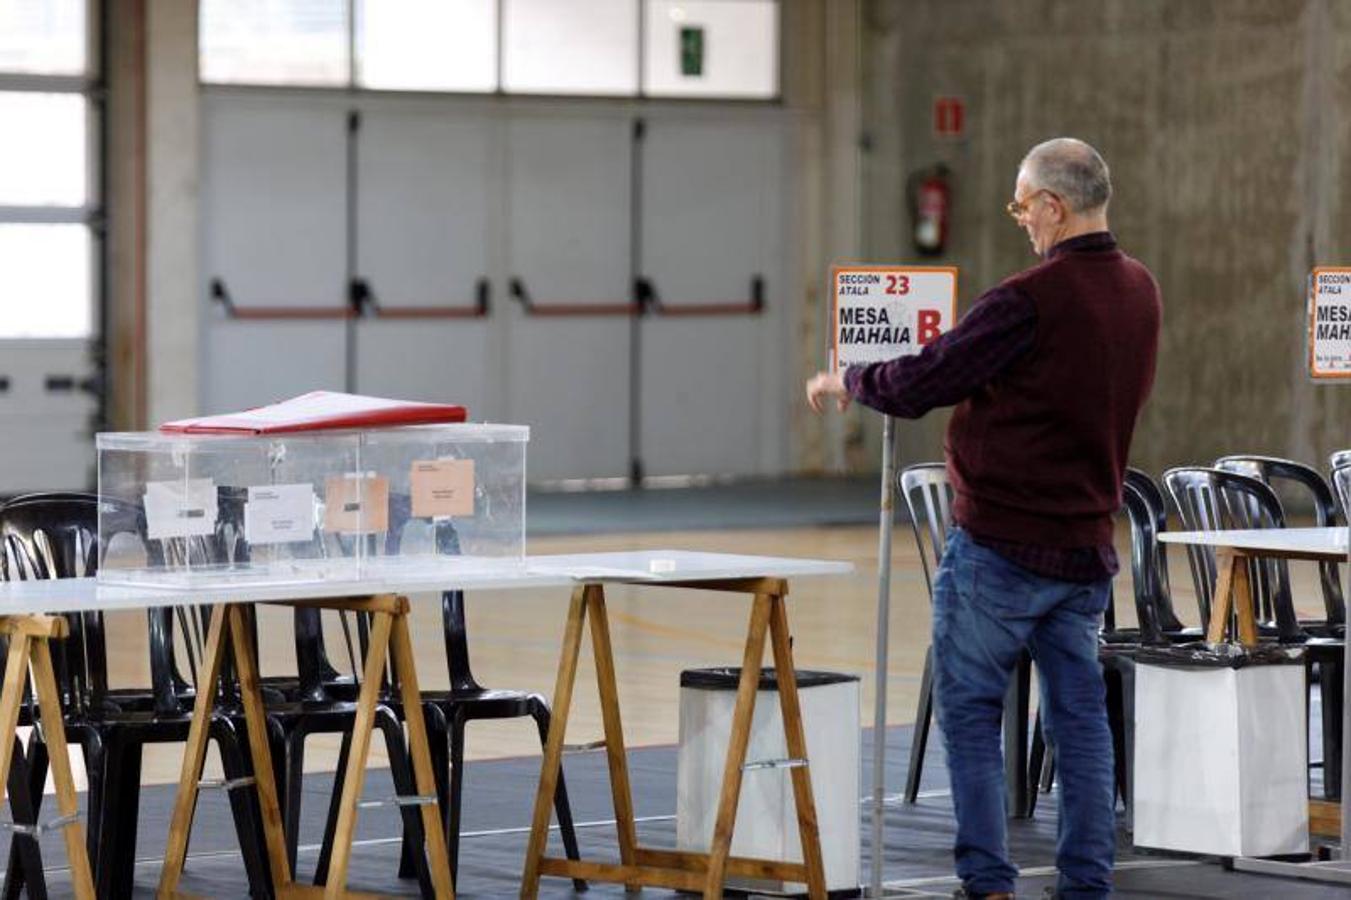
x: 725, y: 49
x: 495, y: 187
x: 50, y: 242
x: 587, y: 218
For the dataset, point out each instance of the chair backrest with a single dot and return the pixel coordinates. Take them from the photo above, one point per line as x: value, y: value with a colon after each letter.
x: 55, y: 535
x: 1149, y: 493
x: 1144, y: 571
x: 1341, y: 482
x: 1339, y: 459
x: 1210, y: 499
x: 1277, y: 472
x: 310, y: 648
x: 928, y: 499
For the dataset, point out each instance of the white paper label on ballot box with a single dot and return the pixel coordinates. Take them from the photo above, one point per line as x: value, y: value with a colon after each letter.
x: 279, y: 514
x: 185, y: 508
x: 882, y: 312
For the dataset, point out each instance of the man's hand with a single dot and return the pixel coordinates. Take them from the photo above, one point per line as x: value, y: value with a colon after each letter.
x: 827, y: 384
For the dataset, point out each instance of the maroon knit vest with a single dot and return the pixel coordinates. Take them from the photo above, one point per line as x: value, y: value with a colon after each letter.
x: 1038, y: 455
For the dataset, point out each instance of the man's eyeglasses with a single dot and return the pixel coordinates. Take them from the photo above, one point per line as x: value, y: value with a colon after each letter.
x: 1018, y: 208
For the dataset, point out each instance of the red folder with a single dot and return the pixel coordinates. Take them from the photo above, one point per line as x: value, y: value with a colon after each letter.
x: 320, y: 411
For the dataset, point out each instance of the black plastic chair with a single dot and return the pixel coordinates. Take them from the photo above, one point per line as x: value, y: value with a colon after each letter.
x: 928, y: 499
x: 1215, y: 499
x: 1276, y: 472
x: 1210, y: 499
x: 449, y: 712
x: 1325, y: 661
x: 468, y: 701
x: 318, y: 700
x: 1148, y: 492
x: 56, y: 536
x: 1339, y: 459
x: 1341, y: 480
x: 1119, y: 646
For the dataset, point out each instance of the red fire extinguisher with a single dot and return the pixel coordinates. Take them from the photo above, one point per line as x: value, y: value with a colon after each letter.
x: 930, y: 197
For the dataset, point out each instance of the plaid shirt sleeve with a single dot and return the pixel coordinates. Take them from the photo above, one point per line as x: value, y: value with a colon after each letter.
x: 998, y: 329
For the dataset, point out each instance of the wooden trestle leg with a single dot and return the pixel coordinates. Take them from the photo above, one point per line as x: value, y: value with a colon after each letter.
x: 1233, y: 596
x: 688, y: 871
x: 28, y: 637
x: 229, y: 622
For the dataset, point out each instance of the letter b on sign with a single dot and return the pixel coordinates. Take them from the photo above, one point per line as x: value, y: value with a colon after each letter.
x: 929, y: 320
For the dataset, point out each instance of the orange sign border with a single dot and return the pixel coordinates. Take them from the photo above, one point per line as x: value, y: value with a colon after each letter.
x: 835, y: 271
x: 1312, y: 313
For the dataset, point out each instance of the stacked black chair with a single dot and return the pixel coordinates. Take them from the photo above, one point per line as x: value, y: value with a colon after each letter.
x: 1209, y: 499
x: 1119, y: 646
x: 928, y: 498
x: 467, y: 701
x: 1339, y: 459
x: 1341, y: 481
x: 1332, y: 774
x: 1215, y: 499
x: 447, y: 714
x: 319, y: 700
x: 1147, y: 524
x: 1326, y: 658
x: 1277, y: 472
x: 56, y: 536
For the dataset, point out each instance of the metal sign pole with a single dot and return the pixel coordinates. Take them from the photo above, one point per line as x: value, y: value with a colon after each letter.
x: 877, y: 313
x: 883, y: 645
x: 1346, y: 717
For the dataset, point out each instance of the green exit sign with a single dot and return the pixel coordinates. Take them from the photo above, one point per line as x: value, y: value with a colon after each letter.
x: 692, y: 51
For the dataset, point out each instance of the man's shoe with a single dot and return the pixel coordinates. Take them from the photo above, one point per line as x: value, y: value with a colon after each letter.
x: 964, y: 894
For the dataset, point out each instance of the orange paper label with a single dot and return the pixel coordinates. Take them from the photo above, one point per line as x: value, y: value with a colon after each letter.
x: 356, y: 505
x: 443, y: 487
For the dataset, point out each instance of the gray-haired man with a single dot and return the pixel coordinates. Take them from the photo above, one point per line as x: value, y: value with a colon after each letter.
x: 1048, y: 370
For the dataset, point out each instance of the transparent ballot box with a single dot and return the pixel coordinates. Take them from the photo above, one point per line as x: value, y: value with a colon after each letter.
x: 210, y: 510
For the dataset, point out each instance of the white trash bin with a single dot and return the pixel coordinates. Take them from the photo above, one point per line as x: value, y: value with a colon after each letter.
x: 766, y: 821
x: 1221, y: 759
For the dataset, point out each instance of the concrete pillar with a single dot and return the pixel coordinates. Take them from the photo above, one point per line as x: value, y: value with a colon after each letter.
x: 153, y: 148
x: 173, y: 294
x: 124, y: 199
x: 822, y: 80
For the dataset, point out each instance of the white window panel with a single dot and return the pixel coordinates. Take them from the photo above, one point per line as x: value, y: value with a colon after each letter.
x: 44, y: 155
x: 570, y: 46
x: 45, y: 273
x: 295, y: 42
x: 427, y: 45
x: 43, y: 37
x: 711, y: 48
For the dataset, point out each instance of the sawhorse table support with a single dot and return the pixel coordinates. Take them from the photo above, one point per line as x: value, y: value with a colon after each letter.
x: 681, y: 870
x: 28, y: 645
x: 389, y: 635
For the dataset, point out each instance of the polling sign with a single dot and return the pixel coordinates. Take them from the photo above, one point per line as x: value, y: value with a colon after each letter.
x: 1330, y: 323
x: 881, y: 312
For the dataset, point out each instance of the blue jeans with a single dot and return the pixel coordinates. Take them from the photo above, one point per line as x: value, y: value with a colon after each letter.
x: 986, y: 610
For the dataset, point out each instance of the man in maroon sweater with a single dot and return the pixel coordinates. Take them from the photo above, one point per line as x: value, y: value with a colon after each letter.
x: 1048, y: 370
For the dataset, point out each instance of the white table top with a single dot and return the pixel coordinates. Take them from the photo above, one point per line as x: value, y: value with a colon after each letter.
x: 1300, y: 543
x: 657, y: 566
x: 647, y: 566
